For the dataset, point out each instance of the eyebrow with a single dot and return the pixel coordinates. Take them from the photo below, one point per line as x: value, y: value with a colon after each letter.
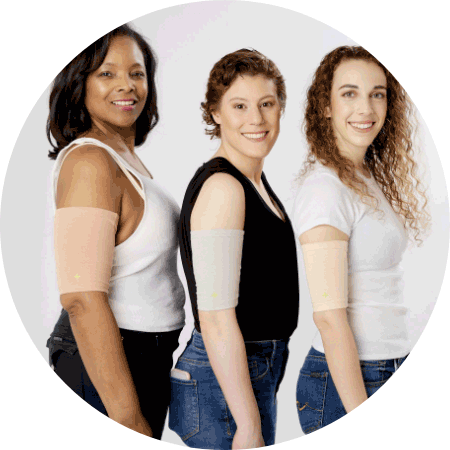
x: 113, y: 64
x: 246, y: 100
x: 354, y: 86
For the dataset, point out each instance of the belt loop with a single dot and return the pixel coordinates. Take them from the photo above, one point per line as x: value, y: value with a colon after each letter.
x: 395, y: 365
x: 273, y: 353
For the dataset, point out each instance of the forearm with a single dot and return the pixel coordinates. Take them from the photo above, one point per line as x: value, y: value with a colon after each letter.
x: 100, y: 346
x: 343, y: 361
x: 226, y: 351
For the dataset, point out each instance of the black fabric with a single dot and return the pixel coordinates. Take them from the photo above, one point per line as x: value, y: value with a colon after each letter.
x: 268, y: 305
x: 149, y: 357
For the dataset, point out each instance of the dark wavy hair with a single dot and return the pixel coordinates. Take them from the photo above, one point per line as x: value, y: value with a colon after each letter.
x: 389, y: 157
x: 68, y: 117
x: 241, y: 62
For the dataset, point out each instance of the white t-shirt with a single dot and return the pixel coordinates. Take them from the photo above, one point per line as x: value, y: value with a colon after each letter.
x: 376, y: 310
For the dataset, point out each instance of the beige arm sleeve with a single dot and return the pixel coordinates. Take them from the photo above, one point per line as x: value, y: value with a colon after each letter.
x: 326, y: 265
x: 84, y: 248
x: 216, y: 260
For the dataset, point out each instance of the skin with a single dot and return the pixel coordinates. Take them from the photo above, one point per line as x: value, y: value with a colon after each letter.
x: 358, y: 94
x: 250, y: 105
x: 90, y: 177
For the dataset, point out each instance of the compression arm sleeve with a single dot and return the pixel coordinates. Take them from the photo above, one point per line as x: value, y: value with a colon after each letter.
x: 84, y: 248
x: 216, y: 259
x: 326, y: 265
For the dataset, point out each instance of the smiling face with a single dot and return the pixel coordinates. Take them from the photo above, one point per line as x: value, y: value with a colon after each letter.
x: 358, y: 105
x: 117, y: 91
x: 249, y: 116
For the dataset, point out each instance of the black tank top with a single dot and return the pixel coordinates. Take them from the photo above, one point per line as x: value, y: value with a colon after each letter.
x: 268, y: 303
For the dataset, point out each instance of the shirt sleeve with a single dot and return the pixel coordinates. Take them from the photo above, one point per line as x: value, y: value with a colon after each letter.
x: 323, y: 200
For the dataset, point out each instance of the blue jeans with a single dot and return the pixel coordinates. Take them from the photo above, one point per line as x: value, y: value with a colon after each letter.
x: 198, y: 411
x: 318, y: 402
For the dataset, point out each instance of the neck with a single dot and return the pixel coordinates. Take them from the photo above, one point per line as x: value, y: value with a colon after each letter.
x: 251, y: 167
x: 119, y: 139
x: 356, y: 155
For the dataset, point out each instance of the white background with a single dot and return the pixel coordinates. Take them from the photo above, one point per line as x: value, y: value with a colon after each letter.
x: 38, y: 407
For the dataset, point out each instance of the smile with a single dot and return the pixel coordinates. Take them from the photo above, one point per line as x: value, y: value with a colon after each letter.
x: 362, y: 126
x: 124, y: 102
x: 258, y: 137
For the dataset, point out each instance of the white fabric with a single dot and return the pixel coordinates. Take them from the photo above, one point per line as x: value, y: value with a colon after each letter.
x: 326, y: 270
x: 216, y: 260
x: 376, y: 308
x: 145, y: 291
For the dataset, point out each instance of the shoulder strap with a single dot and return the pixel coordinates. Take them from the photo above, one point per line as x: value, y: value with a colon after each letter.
x: 126, y: 170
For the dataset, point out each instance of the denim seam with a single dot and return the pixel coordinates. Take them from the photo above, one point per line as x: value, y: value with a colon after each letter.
x: 320, y: 358
x: 197, y: 421
x: 195, y: 362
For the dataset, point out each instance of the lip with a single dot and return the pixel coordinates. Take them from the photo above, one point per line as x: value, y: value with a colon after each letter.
x: 362, y: 130
x: 125, y: 107
x: 258, y: 139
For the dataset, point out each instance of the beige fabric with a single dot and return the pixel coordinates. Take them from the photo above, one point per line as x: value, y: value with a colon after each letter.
x: 84, y: 248
x: 216, y: 257
x: 326, y: 268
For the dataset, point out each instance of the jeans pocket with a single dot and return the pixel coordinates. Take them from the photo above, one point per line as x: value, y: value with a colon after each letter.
x: 258, y: 368
x: 311, y: 388
x: 56, y: 345
x: 183, y: 408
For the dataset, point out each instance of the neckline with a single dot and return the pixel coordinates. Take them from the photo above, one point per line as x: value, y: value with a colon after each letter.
x: 266, y: 185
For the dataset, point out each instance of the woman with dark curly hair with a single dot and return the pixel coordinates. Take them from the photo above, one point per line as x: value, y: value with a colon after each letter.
x: 238, y: 252
x: 115, y: 236
x: 359, y: 199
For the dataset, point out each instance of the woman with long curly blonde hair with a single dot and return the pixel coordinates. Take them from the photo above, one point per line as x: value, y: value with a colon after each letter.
x: 358, y: 201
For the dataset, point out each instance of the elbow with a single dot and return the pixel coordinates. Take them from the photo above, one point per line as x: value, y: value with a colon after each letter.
x: 331, y: 321
x: 73, y: 304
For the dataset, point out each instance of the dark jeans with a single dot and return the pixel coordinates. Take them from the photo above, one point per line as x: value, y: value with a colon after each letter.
x: 149, y: 357
x: 318, y: 402
x: 199, y: 413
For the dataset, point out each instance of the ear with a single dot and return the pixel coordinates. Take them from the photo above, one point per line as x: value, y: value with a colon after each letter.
x: 327, y: 112
x: 216, y: 117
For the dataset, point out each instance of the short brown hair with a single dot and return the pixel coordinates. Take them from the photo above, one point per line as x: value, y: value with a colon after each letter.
x: 241, y: 62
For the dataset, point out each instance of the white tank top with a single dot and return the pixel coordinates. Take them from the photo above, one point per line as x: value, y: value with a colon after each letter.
x: 145, y: 291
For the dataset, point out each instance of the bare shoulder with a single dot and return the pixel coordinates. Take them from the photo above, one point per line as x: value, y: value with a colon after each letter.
x: 220, y: 204
x: 88, y: 177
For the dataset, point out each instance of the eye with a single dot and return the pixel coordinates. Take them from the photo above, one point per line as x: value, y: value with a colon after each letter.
x: 239, y: 106
x: 379, y: 95
x: 348, y: 94
x: 105, y: 74
x: 267, y: 104
x: 138, y: 74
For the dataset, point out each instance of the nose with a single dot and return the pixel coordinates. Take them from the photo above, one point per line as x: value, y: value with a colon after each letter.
x: 256, y: 117
x: 125, y: 84
x: 364, y: 105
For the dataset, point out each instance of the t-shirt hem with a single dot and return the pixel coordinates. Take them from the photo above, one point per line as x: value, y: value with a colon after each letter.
x: 321, y: 221
x: 151, y: 329
x: 374, y: 357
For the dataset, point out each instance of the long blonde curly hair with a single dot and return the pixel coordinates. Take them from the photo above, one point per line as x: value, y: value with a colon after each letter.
x: 390, y: 156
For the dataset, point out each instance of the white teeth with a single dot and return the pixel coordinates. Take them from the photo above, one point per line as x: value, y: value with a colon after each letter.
x: 361, y: 126
x: 123, y: 103
x: 254, y: 135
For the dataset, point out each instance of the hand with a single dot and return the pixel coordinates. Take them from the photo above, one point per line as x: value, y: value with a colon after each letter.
x: 137, y: 423
x: 247, y: 439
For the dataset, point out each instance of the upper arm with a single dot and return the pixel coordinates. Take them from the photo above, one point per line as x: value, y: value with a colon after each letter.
x: 322, y: 233
x: 88, y: 178
x: 220, y: 204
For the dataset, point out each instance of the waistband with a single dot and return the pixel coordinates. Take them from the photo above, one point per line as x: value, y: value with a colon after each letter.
x: 315, y: 355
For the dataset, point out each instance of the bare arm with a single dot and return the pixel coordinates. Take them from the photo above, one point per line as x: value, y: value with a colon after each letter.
x: 87, y: 179
x: 337, y: 337
x: 221, y: 204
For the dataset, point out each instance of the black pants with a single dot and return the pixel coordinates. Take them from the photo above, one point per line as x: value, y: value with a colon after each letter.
x: 149, y: 357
